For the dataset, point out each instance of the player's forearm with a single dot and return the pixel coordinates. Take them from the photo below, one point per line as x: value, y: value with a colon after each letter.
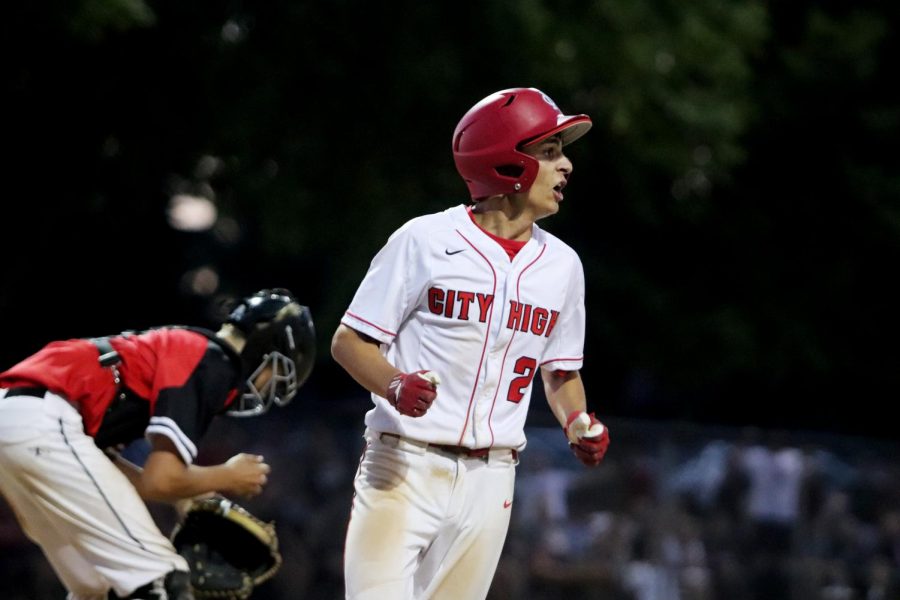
x: 188, y: 482
x: 565, y: 393
x: 197, y: 480
x: 165, y: 478
x: 361, y: 357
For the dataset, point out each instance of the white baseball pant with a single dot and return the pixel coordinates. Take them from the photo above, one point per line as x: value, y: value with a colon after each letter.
x: 426, y: 524
x: 70, y: 499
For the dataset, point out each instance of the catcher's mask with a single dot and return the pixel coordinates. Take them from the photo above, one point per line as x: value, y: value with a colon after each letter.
x: 279, y: 336
x: 488, y: 140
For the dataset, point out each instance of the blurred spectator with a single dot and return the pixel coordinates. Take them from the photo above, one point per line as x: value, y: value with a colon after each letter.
x: 888, y: 545
x: 581, y: 554
x: 645, y: 576
x: 541, y: 489
x: 882, y: 581
x: 690, y: 518
x: 837, y: 583
x: 775, y: 471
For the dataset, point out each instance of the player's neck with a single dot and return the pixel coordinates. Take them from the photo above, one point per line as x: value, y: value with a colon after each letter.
x: 500, y: 218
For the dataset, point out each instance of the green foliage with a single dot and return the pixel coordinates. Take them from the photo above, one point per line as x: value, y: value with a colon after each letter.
x: 93, y: 20
x: 736, y: 205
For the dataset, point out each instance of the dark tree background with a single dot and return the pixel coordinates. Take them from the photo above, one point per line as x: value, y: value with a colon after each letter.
x: 736, y: 205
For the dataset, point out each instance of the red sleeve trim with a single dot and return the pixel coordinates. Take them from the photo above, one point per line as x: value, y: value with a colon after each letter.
x: 370, y: 324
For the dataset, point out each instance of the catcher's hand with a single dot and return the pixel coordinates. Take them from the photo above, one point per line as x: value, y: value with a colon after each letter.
x: 229, y: 550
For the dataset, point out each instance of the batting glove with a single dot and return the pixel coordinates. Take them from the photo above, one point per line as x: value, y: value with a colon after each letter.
x: 588, y: 437
x: 412, y: 393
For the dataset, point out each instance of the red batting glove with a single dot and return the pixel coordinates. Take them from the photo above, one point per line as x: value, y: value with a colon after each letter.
x: 412, y: 393
x: 588, y: 437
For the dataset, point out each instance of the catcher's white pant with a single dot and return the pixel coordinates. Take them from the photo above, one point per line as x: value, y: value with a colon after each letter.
x: 74, y: 502
x: 426, y: 524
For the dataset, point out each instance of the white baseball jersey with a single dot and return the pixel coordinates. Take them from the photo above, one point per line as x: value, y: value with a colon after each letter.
x: 442, y: 295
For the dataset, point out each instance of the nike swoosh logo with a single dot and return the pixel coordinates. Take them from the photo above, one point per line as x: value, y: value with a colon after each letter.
x: 449, y: 253
x: 507, y: 503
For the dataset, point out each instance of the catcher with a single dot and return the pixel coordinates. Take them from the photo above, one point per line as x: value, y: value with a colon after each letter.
x: 63, y: 406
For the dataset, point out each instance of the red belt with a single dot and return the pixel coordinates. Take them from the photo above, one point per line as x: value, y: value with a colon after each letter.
x: 457, y: 450
x: 462, y: 450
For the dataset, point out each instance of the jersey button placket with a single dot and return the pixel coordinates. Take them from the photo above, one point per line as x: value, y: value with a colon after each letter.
x: 486, y: 396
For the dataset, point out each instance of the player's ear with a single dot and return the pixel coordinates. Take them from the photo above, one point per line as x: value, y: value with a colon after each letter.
x: 232, y: 336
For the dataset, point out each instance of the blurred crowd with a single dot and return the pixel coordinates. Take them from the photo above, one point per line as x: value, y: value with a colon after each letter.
x: 676, y: 512
x: 689, y: 513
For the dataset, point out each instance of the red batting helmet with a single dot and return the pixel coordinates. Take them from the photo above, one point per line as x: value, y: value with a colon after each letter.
x: 488, y: 139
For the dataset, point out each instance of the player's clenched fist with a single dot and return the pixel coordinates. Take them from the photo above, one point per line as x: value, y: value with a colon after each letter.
x: 587, y: 436
x: 248, y: 474
x: 412, y: 393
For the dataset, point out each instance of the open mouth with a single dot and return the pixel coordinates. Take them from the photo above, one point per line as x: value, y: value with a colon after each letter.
x: 557, y: 190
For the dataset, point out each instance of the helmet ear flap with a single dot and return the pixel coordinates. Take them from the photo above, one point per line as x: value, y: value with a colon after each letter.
x: 520, y: 175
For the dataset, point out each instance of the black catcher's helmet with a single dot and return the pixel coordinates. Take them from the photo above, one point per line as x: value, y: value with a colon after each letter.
x: 280, y: 335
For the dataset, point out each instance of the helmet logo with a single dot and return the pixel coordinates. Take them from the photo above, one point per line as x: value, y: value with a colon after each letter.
x: 549, y: 101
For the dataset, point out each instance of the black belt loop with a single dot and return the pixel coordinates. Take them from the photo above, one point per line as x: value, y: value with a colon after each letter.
x: 37, y: 392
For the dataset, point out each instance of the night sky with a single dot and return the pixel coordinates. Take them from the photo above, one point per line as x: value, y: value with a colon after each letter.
x: 736, y: 205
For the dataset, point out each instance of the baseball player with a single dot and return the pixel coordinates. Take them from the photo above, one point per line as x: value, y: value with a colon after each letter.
x: 457, y: 314
x: 63, y: 406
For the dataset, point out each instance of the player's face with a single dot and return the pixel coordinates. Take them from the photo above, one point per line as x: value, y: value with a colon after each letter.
x: 546, y: 193
x: 261, y: 380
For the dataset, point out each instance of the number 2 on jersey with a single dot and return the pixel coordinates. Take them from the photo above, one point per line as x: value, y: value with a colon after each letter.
x: 525, y: 367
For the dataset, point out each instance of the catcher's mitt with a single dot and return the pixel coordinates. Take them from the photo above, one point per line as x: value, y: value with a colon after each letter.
x: 229, y: 550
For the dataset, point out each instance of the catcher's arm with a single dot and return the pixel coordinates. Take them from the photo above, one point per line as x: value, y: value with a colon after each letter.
x: 165, y: 477
x: 131, y: 470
